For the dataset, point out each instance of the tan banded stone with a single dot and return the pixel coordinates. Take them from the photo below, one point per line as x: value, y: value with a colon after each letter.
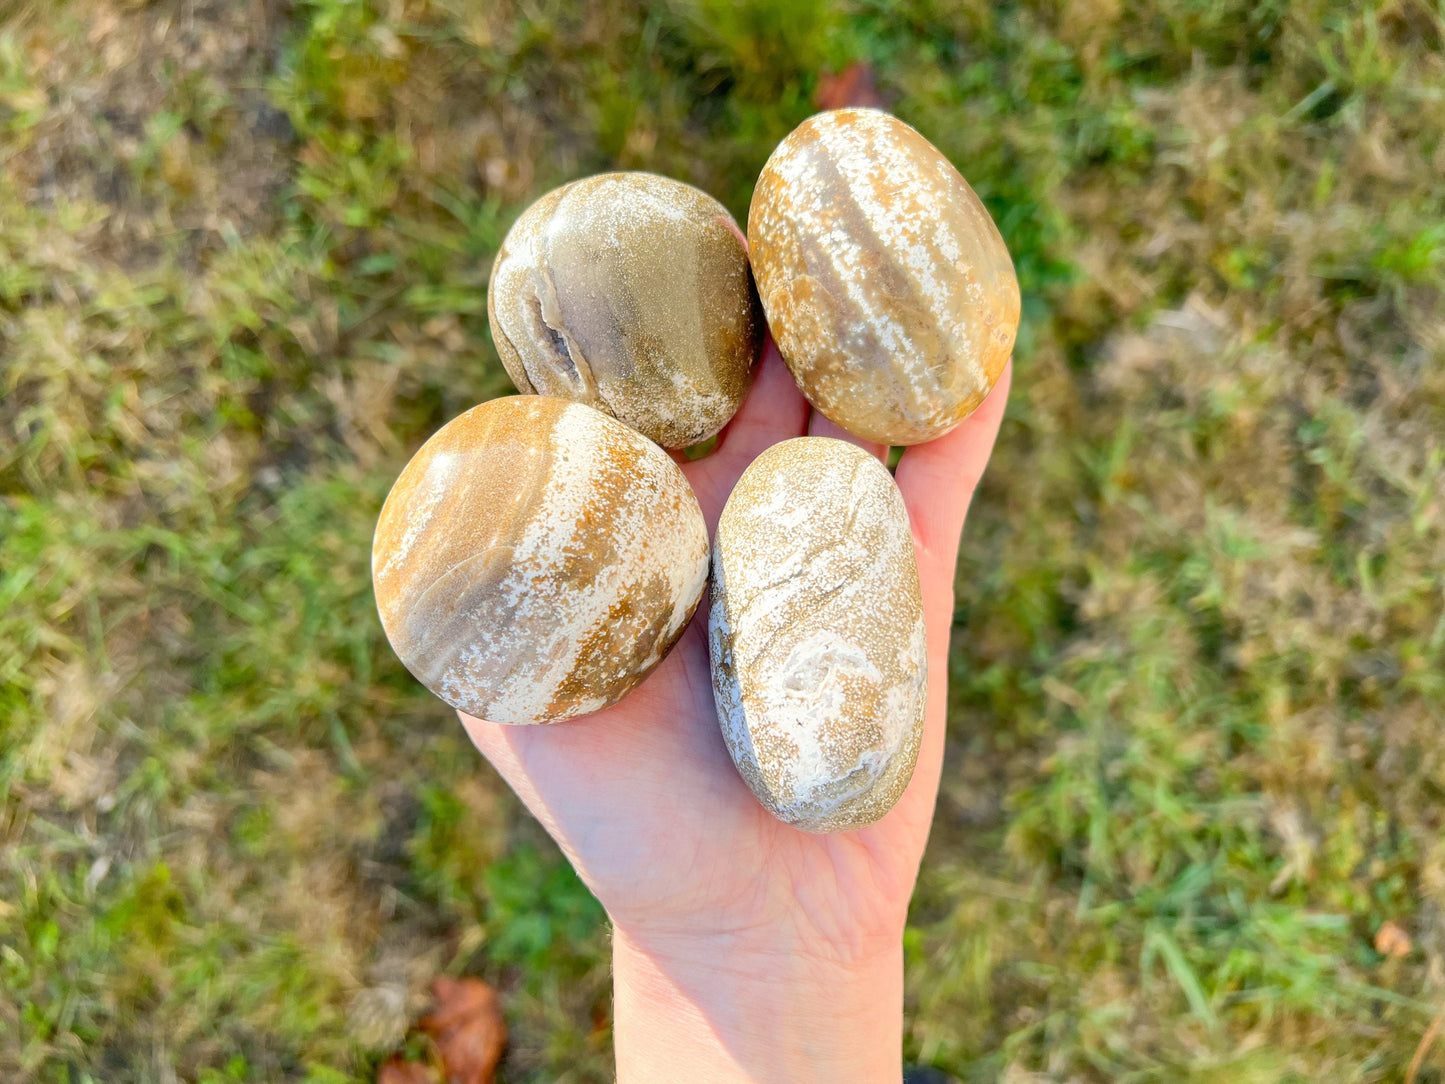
x: 886, y: 284
x: 816, y: 635
x: 630, y: 292
x: 536, y: 559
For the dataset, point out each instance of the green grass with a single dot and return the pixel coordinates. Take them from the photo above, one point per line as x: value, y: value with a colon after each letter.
x: 1199, y: 667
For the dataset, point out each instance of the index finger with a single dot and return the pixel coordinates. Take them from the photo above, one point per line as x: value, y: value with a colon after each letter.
x: 774, y: 410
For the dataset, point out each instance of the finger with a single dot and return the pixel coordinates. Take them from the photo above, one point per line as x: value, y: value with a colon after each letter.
x: 919, y: 797
x: 501, y: 745
x: 774, y: 410
x: 555, y: 770
x: 731, y: 224
x: 820, y: 426
x: 938, y: 479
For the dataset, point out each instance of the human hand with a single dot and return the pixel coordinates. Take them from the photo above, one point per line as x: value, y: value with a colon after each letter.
x: 744, y: 948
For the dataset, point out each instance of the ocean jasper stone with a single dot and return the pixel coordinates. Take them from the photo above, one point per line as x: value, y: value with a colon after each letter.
x: 536, y: 559
x: 816, y: 637
x: 631, y: 293
x: 886, y: 284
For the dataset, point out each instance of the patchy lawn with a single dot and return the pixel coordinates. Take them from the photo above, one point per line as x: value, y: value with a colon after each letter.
x: 1196, y: 762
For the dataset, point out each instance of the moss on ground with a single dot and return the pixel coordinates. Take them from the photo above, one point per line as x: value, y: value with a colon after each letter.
x: 1199, y: 666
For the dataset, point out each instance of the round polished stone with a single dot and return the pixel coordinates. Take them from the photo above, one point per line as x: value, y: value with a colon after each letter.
x: 886, y: 284
x: 536, y: 559
x: 631, y: 293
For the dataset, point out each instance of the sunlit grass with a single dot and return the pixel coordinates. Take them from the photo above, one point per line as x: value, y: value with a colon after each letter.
x: 1199, y: 663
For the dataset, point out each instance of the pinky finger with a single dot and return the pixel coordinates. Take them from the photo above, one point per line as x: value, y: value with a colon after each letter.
x: 938, y: 479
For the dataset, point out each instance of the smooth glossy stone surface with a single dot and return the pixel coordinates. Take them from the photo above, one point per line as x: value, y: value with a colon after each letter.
x: 629, y: 292
x: 886, y: 284
x: 816, y: 635
x: 536, y: 559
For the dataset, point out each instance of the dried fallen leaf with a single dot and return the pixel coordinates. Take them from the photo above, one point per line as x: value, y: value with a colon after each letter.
x: 396, y: 1071
x: 853, y: 86
x: 1390, y: 940
x: 468, y: 1029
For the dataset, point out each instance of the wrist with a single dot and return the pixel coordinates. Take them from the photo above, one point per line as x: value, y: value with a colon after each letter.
x: 758, y: 1005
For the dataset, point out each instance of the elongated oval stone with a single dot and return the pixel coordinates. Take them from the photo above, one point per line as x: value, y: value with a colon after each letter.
x: 816, y: 635
x: 631, y: 293
x: 536, y: 559
x: 886, y: 284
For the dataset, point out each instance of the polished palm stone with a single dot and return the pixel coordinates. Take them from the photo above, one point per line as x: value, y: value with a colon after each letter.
x: 816, y: 637
x: 536, y: 559
x: 631, y: 293
x: 886, y: 284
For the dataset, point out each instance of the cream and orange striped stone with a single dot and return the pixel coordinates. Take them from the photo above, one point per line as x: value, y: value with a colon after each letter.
x: 886, y: 284
x: 536, y: 559
x: 816, y: 635
x: 629, y: 292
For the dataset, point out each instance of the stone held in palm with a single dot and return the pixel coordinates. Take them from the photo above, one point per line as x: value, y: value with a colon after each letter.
x: 536, y: 559
x: 816, y: 635
x: 632, y: 293
x: 886, y: 284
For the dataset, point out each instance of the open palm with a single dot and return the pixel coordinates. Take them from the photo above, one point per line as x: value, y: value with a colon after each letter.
x: 643, y: 797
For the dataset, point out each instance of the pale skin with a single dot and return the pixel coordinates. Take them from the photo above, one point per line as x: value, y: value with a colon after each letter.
x: 744, y: 949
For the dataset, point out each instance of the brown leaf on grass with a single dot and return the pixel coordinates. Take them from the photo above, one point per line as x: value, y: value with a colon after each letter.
x: 468, y: 1029
x: 1390, y: 940
x: 853, y: 86
x: 396, y: 1071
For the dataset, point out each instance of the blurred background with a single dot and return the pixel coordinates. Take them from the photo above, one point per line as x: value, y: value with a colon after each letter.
x: 1191, y: 822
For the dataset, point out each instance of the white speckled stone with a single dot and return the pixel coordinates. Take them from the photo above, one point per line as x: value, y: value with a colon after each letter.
x: 887, y: 286
x: 816, y: 635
